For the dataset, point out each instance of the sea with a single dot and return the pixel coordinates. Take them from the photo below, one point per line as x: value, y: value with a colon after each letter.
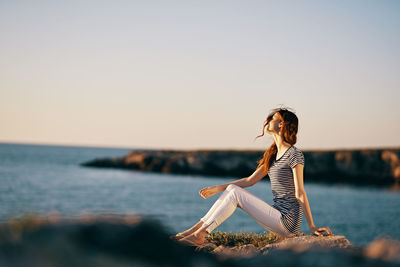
x: 48, y: 179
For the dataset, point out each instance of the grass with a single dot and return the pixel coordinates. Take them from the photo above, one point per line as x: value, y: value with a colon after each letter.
x: 244, y: 238
x: 239, y: 239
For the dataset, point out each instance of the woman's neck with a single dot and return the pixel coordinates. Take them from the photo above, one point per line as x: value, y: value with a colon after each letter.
x: 280, y: 144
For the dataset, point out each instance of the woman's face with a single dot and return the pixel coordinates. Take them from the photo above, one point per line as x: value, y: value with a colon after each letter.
x: 273, y: 125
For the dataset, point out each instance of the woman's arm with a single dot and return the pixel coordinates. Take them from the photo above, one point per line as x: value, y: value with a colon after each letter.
x: 258, y: 174
x: 301, y: 196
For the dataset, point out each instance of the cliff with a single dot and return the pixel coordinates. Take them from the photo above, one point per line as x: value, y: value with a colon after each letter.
x: 361, y: 167
x: 117, y: 240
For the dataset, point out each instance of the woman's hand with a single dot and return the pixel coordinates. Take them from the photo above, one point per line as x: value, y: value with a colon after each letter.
x: 209, y: 191
x: 320, y: 231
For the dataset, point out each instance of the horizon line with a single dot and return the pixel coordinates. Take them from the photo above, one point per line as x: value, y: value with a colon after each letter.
x: 394, y: 147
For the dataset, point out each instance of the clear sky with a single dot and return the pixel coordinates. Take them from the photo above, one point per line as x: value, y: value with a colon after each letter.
x: 199, y: 74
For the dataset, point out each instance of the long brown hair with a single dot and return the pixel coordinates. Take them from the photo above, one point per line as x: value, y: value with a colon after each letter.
x: 290, y: 124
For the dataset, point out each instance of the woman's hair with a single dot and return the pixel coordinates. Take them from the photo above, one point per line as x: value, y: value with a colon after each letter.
x: 290, y: 124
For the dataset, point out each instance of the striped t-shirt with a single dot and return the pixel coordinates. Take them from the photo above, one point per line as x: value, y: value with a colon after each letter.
x: 283, y: 188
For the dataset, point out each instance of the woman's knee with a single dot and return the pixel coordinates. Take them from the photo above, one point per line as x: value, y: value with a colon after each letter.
x: 231, y: 187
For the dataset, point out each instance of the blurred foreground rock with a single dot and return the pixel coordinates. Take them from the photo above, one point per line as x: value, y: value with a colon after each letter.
x: 117, y: 240
x: 379, y: 167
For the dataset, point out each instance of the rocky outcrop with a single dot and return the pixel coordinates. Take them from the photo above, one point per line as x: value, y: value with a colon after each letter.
x: 384, y: 248
x: 300, y: 243
x: 118, y: 240
x: 361, y: 167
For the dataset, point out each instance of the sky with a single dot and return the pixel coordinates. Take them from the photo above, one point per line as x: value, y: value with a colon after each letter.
x: 199, y: 74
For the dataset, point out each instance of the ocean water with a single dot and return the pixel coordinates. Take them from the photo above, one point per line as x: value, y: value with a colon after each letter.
x: 41, y: 179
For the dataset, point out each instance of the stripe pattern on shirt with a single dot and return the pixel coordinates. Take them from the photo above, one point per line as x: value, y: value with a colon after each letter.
x: 283, y: 188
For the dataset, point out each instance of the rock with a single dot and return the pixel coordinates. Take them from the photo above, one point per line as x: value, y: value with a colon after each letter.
x: 296, y: 244
x: 95, y: 240
x: 302, y: 243
x: 121, y: 240
x: 379, y: 167
x: 244, y: 251
x: 384, y: 248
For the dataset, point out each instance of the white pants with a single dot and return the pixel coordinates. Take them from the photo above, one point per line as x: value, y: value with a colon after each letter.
x: 235, y: 196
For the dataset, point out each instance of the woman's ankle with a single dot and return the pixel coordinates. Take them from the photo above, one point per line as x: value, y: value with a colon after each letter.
x: 202, y: 231
x: 193, y: 229
x: 197, y: 225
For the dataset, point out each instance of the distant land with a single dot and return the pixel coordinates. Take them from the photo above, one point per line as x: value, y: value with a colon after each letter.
x: 377, y: 167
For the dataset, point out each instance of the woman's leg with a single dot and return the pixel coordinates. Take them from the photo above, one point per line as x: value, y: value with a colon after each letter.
x: 204, y: 218
x: 266, y: 215
x: 235, y: 196
x: 216, y: 204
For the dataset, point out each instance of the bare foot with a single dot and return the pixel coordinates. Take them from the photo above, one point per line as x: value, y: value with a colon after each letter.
x: 187, y: 232
x: 198, y: 238
x: 177, y: 236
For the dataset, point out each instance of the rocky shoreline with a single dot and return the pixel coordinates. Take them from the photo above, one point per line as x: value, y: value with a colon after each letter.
x: 377, y: 167
x: 122, y: 240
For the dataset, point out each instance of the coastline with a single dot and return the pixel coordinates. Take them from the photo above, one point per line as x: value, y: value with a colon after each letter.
x: 370, y: 167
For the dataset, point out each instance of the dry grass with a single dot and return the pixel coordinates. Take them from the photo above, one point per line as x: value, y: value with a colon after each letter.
x: 237, y: 239
x: 244, y: 238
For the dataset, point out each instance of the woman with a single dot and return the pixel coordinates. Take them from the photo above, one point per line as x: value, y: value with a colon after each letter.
x: 284, y: 164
